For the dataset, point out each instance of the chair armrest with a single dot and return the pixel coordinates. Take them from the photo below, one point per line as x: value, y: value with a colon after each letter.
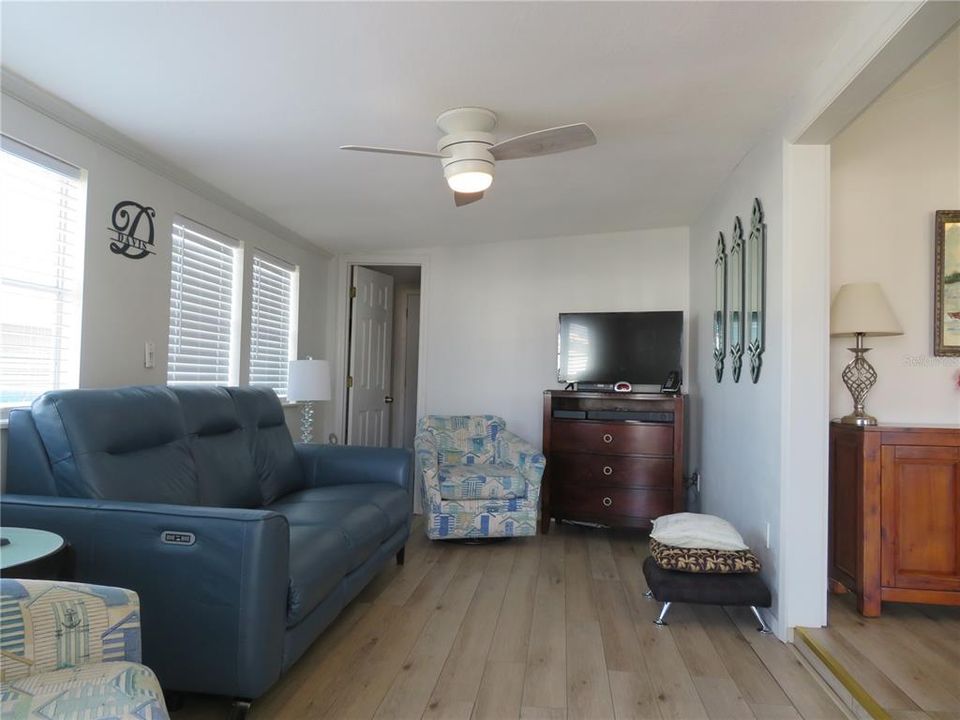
x: 428, y: 467
x: 49, y: 614
x: 350, y: 464
x: 213, y: 609
x: 513, y: 449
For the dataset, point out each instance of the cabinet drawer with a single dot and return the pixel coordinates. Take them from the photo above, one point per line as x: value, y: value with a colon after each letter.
x: 613, y: 470
x: 614, y: 438
x: 590, y: 501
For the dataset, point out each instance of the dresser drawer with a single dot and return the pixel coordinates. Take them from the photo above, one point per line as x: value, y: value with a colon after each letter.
x: 592, y: 502
x: 613, y: 438
x: 613, y: 470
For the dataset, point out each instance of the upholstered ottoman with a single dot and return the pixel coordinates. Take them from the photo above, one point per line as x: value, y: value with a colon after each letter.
x: 670, y: 586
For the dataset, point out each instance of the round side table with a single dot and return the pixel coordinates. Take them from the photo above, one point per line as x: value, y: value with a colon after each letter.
x: 30, y: 553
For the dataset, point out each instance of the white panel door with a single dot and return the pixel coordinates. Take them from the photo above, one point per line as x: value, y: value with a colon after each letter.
x: 371, y: 337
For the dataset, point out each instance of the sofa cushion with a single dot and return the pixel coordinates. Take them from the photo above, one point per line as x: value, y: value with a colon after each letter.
x: 121, y: 444
x: 363, y: 525
x: 393, y: 501
x: 464, y: 439
x: 225, y: 470
x: 318, y: 562
x: 487, y: 481
x: 278, y: 467
x: 696, y: 530
x: 703, y: 560
x: 705, y: 588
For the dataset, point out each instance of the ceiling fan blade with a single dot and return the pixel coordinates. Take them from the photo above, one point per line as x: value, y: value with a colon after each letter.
x: 391, y: 151
x: 461, y: 199
x: 545, y: 142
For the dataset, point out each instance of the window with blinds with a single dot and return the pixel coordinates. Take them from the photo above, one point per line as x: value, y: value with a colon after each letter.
x: 42, y: 205
x: 204, y: 306
x: 273, y: 321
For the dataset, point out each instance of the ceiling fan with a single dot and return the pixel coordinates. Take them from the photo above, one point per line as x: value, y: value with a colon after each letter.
x: 468, y: 150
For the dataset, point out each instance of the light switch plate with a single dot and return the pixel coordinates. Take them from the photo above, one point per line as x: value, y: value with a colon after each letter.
x: 149, y: 354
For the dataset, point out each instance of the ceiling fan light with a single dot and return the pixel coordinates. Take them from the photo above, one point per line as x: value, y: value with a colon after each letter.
x: 471, y: 181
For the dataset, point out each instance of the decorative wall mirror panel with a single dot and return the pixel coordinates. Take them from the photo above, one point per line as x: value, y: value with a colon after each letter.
x: 720, y: 307
x: 756, y: 289
x: 737, y: 266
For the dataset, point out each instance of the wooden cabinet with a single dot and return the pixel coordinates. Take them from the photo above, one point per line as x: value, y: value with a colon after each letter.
x: 895, y: 514
x: 614, y: 459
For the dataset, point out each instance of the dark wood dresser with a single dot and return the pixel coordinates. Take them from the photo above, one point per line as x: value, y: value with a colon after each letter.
x: 612, y: 458
x: 895, y: 514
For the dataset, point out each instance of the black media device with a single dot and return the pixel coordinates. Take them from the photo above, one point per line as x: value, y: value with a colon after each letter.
x: 598, y: 350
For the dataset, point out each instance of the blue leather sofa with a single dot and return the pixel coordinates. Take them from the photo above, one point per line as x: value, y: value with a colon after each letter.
x: 242, y: 546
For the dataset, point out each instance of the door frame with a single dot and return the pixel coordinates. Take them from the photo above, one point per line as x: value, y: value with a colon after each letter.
x: 344, y: 270
x: 401, y: 332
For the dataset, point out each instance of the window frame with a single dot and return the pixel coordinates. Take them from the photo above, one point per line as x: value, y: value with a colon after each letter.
x: 293, y: 330
x: 67, y: 361
x: 236, y: 295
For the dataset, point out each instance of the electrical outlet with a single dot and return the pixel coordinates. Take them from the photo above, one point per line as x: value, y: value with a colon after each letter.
x: 768, y: 536
x: 149, y: 354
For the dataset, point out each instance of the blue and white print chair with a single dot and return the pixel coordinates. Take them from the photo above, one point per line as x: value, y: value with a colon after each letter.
x: 478, y: 480
x: 71, y: 651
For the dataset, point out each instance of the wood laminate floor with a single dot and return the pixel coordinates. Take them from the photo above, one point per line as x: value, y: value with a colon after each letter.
x: 548, y: 627
x: 907, y: 660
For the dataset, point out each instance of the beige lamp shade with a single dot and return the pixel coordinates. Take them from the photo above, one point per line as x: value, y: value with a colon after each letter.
x: 862, y: 308
x: 308, y: 380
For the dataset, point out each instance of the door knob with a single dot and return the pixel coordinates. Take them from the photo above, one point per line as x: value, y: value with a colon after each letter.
x: 388, y: 399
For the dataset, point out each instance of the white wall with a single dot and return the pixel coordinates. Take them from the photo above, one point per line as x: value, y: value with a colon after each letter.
x: 126, y: 302
x: 735, y: 434
x: 489, y: 315
x: 892, y: 168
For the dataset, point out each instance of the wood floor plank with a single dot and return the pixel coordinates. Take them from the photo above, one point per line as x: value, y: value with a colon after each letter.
x: 602, y: 564
x: 456, y: 691
x: 531, y: 712
x: 588, y: 689
x: 501, y: 691
x: 811, y: 699
x: 545, y: 681
x: 360, y: 684
x: 722, y: 699
x: 676, y: 695
x: 409, y: 694
x: 621, y: 649
x: 513, y: 628
x: 745, y: 667
x: 633, y: 697
x: 579, y: 588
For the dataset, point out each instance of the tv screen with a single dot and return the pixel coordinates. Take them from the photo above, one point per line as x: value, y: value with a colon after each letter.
x: 639, y: 347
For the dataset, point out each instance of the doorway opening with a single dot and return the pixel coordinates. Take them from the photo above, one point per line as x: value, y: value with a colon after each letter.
x: 383, y: 348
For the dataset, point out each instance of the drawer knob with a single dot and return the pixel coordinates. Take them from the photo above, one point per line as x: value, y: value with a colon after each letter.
x: 607, y: 502
x: 607, y: 470
x: 607, y: 438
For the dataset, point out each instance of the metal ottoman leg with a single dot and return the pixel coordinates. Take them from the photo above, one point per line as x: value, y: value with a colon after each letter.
x: 763, y: 626
x: 661, y: 620
x: 648, y: 594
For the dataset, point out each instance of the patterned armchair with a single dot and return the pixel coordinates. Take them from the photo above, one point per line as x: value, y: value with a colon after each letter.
x: 71, y: 651
x: 477, y: 478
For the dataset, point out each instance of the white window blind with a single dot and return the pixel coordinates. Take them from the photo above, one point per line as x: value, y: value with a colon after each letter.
x: 42, y: 206
x: 273, y: 321
x: 204, y: 306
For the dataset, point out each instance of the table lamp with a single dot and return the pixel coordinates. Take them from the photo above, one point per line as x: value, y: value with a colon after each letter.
x: 307, y: 382
x: 861, y: 309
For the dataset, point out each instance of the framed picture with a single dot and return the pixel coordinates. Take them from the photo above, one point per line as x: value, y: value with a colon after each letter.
x: 946, y: 284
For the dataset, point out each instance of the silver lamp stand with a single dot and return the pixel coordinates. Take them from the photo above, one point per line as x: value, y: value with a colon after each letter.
x: 859, y: 376
x: 306, y: 422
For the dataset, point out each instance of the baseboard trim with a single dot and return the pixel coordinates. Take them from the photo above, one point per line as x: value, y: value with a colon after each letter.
x: 826, y: 662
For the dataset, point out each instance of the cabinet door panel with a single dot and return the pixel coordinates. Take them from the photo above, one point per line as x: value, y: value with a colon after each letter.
x: 921, y: 507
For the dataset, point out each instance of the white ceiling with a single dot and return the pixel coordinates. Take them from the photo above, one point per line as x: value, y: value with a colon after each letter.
x: 255, y: 98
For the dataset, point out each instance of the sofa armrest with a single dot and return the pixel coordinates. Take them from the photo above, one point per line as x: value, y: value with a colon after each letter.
x: 48, y: 612
x: 513, y: 449
x: 213, y: 597
x: 350, y: 464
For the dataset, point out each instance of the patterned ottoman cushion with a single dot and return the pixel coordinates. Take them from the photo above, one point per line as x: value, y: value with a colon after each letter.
x: 114, y: 690
x: 703, y: 560
x: 488, y: 481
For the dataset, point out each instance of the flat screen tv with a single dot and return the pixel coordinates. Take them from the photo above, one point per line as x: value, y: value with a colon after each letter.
x: 606, y: 347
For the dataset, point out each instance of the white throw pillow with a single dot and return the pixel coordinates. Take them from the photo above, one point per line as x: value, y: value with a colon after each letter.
x: 693, y: 530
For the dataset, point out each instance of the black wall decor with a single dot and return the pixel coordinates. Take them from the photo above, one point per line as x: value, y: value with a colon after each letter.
x: 133, y: 230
